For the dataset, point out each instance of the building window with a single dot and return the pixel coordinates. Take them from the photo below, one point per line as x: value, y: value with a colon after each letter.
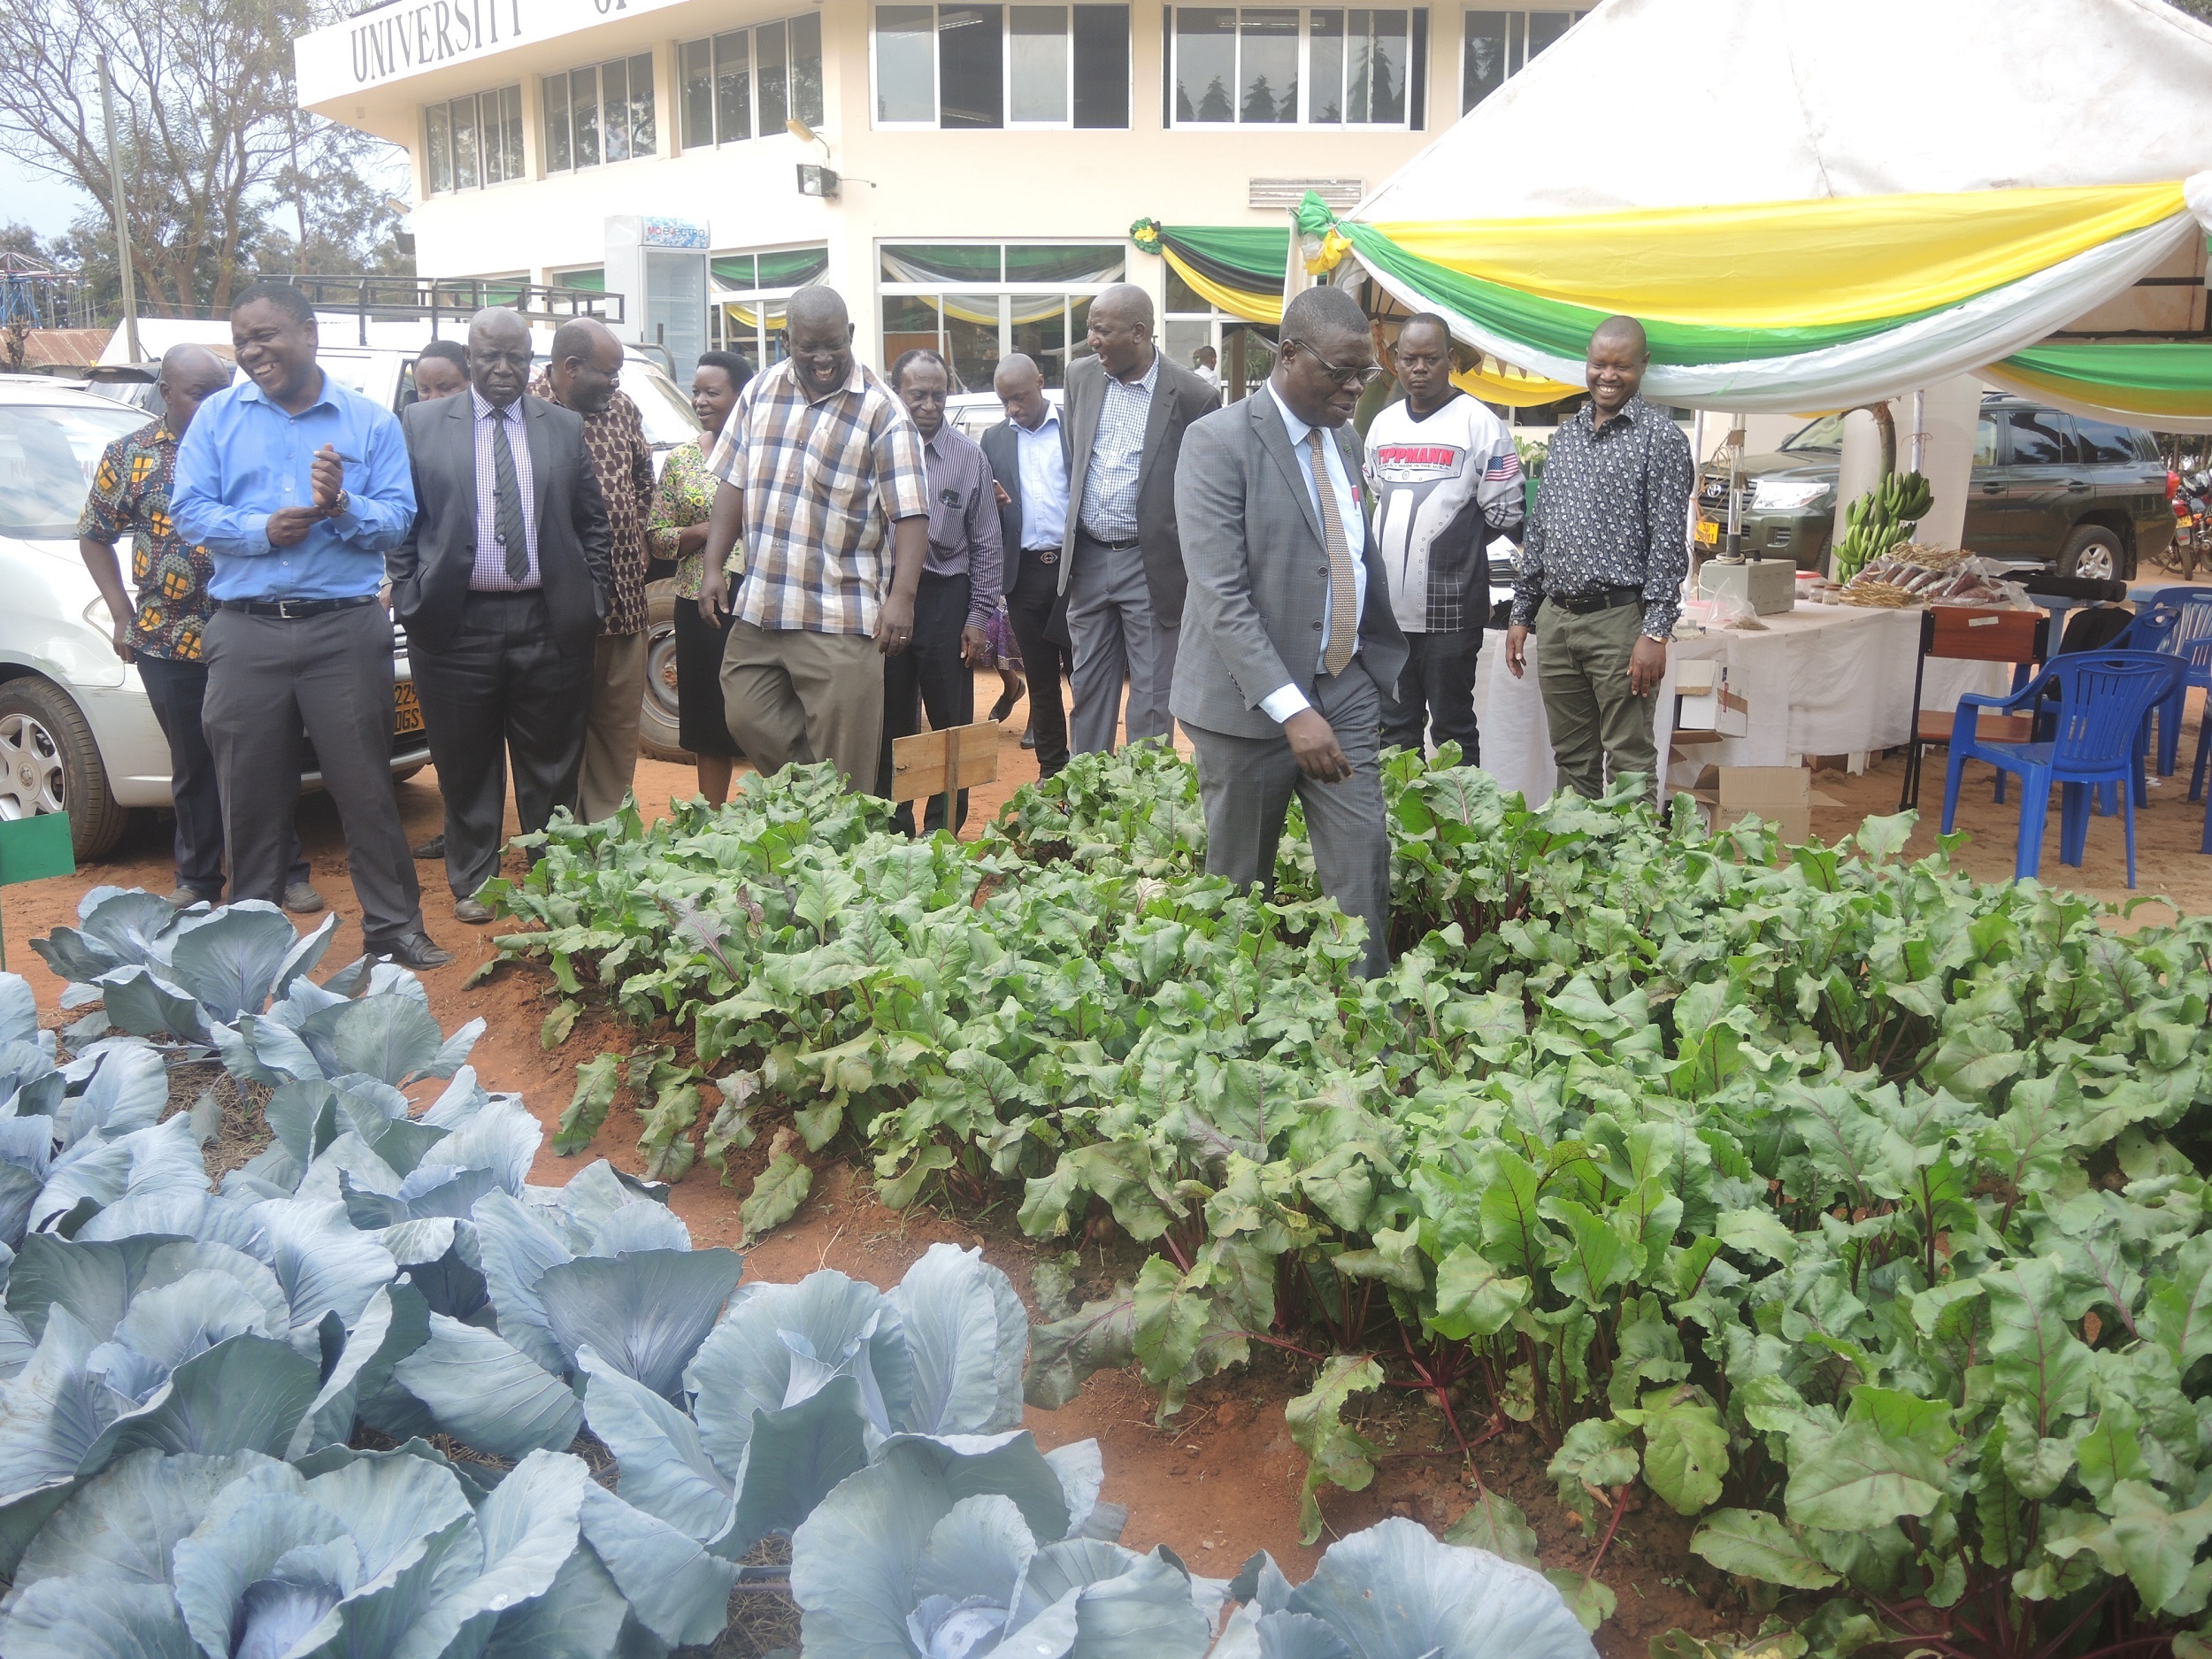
x: 1500, y: 43
x: 977, y: 301
x: 474, y: 141
x: 1293, y: 66
x: 746, y: 83
x: 1191, y: 320
x: 600, y: 114
x: 1001, y: 66
x: 751, y: 292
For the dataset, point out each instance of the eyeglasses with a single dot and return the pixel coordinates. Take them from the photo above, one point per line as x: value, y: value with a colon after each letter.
x: 1360, y: 377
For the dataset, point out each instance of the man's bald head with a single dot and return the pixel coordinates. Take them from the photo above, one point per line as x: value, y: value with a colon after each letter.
x: 195, y: 368
x: 499, y: 353
x: 189, y: 376
x: 1613, y: 367
x: 1121, y: 330
x: 587, y: 368
x: 819, y: 331
x: 1020, y: 386
x: 817, y: 305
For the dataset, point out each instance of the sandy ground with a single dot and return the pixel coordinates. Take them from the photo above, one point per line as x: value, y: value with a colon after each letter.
x: 1221, y: 1480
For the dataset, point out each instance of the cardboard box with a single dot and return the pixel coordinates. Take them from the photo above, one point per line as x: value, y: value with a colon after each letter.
x: 1704, y: 702
x: 1770, y: 585
x: 1781, y: 795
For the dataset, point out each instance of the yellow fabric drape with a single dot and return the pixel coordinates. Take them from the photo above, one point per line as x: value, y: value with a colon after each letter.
x: 1510, y: 386
x: 1775, y: 264
x: 1253, y: 308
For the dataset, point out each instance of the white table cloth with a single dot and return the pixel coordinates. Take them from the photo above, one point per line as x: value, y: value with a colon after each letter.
x: 1821, y: 679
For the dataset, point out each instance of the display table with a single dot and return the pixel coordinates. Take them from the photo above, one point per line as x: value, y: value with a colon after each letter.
x: 1821, y: 679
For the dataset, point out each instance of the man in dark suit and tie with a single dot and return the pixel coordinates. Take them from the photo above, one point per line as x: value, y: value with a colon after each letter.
x: 1028, y: 453
x: 1289, y: 644
x: 1121, y: 570
x: 501, y: 585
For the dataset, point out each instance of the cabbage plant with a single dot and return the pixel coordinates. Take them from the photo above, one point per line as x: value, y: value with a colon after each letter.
x: 1396, y: 1592
x: 801, y: 1385
x: 353, y: 1553
x: 960, y: 1548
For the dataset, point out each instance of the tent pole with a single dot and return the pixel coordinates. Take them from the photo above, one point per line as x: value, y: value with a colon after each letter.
x: 1919, y: 426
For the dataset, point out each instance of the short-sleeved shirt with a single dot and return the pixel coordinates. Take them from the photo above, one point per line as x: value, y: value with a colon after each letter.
x: 824, y: 479
x: 130, y: 498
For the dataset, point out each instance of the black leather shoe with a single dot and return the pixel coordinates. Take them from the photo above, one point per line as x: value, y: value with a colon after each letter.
x: 435, y: 847
x: 415, y: 950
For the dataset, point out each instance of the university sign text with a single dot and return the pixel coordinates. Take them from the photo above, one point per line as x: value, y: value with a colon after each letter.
x: 414, y: 37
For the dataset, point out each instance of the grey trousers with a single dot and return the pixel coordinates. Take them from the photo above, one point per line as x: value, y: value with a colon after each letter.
x: 1245, y: 784
x: 332, y: 672
x: 1598, y: 725
x: 618, y: 702
x: 1117, y: 636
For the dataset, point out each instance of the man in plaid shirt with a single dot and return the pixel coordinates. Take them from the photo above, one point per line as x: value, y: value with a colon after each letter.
x: 821, y: 467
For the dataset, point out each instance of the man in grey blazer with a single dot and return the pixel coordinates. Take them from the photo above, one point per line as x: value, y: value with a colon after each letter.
x: 1121, y: 568
x: 1286, y: 661
x: 500, y: 585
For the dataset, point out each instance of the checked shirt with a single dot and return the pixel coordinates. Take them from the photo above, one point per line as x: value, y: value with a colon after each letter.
x: 824, y: 480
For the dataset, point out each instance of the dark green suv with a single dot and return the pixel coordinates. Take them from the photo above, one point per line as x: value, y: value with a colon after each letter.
x: 2082, y: 496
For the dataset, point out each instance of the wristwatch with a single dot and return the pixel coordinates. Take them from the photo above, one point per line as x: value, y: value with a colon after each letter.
x: 343, y: 505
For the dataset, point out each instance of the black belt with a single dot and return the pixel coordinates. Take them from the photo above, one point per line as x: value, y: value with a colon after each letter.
x: 1042, y: 555
x: 1602, y: 599
x: 296, y: 609
x: 1112, y: 546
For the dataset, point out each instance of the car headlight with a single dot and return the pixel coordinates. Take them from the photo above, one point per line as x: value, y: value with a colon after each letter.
x: 99, y: 619
x: 1785, y: 495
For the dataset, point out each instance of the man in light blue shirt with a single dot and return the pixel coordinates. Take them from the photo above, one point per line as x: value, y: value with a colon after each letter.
x: 1284, y: 667
x: 298, y: 486
x: 1028, y: 453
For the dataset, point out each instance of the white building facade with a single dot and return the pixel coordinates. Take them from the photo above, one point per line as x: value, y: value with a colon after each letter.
x: 990, y: 158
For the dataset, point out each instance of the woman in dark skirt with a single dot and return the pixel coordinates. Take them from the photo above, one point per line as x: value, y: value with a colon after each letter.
x: 677, y: 529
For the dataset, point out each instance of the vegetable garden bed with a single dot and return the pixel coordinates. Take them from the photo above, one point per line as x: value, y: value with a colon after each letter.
x: 1848, y: 1206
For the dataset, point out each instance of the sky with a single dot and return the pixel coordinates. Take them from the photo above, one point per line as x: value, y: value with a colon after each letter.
x: 37, y: 199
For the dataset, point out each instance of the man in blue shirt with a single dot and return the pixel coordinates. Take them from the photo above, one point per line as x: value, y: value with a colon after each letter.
x: 1028, y: 452
x: 298, y: 486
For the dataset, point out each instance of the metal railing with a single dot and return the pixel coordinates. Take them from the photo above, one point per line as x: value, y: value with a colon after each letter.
x: 449, y: 299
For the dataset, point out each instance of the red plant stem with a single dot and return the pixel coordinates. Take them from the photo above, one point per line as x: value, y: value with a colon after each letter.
x: 1287, y: 1346
x: 1620, y: 1508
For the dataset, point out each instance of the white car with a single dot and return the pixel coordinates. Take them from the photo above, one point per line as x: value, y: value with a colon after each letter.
x: 76, y: 732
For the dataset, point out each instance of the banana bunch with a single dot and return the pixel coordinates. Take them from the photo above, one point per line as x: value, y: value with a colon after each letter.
x: 1881, y: 519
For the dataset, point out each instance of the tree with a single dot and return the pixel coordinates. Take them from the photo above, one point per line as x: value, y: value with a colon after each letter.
x: 212, y: 145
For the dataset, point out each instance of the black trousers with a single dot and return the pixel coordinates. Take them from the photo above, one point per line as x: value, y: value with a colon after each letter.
x: 928, y: 675
x: 1436, y: 690
x: 178, y: 691
x: 332, y: 674
x: 1044, y: 660
x: 502, y: 692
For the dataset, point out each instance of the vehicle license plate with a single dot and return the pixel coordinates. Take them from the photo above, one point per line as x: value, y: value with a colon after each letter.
x: 406, y: 709
x: 1708, y: 532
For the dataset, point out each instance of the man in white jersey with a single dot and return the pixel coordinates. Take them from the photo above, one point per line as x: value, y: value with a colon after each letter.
x: 1447, y: 482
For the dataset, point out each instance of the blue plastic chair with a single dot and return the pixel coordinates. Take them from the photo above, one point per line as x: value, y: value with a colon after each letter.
x: 2192, y: 623
x: 2103, y: 697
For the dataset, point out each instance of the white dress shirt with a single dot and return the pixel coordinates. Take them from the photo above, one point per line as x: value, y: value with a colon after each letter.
x: 1280, y: 704
x: 1110, y: 487
x: 1044, y: 480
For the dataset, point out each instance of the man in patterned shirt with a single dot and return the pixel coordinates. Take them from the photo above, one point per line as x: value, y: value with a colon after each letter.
x: 1602, y: 569
x: 823, y: 470
x: 161, y: 633
x: 584, y: 376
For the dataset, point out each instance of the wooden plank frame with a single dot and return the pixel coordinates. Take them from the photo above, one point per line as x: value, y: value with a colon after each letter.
x: 944, y: 763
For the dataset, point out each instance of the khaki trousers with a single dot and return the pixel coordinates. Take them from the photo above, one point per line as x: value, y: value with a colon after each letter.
x: 791, y: 696
x: 1597, y: 725
x: 618, y: 698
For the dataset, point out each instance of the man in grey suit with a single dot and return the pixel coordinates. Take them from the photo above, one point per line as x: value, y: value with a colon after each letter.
x: 1284, y: 664
x: 1121, y: 566
x: 501, y: 585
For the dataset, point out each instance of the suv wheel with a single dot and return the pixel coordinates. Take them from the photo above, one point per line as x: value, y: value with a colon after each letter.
x: 50, y: 763
x: 2095, y: 553
x: 658, y: 733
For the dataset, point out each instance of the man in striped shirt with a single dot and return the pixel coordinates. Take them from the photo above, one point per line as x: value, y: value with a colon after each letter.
x: 822, y: 469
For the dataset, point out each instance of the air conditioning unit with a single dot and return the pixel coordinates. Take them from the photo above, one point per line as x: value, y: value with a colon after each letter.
x: 1282, y: 192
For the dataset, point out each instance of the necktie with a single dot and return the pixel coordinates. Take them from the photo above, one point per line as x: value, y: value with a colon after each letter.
x: 1343, y: 600
x: 507, y: 519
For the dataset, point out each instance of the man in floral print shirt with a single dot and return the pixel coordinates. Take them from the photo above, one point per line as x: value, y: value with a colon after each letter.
x: 160, y: 633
